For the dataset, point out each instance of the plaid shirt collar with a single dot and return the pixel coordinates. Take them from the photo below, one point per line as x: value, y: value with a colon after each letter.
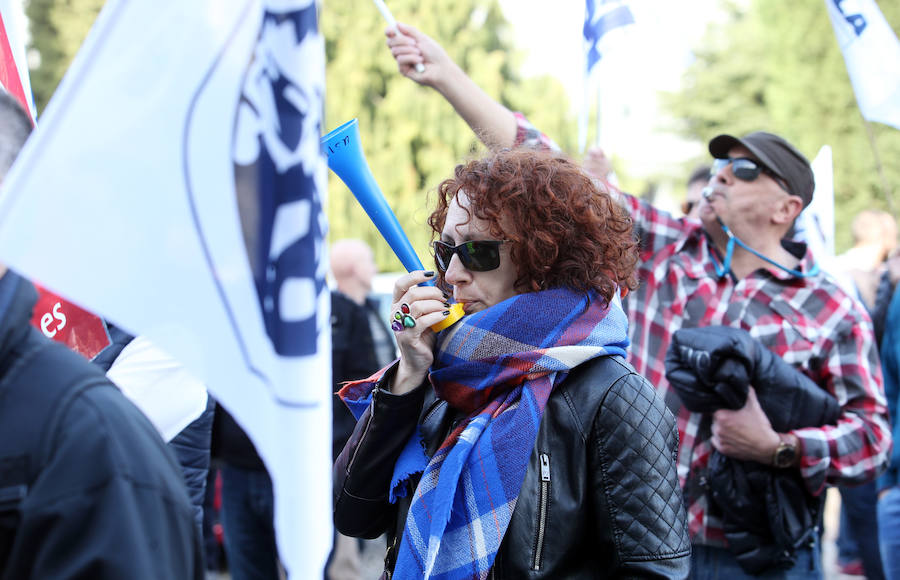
x: 704, y: 267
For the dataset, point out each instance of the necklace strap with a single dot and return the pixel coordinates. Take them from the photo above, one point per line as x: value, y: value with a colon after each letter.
x: 725, y: 267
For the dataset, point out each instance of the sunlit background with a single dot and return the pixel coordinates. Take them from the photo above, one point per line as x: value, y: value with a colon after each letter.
x: 684, y: 72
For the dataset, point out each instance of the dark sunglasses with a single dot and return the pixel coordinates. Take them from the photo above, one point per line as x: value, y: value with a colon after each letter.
x: 745, y: 169
x: 476, y: 256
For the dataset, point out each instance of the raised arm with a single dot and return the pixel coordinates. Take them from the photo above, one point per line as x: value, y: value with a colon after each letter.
x: 493, y: 124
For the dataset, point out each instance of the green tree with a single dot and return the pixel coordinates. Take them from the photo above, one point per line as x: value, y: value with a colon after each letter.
x: 776, y: 66
x: 57, y: 30
x: 412, y: 138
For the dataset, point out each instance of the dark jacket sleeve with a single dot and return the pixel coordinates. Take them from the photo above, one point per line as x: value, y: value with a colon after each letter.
x: 109, y: 502
x: 353, y: 350
x: 890, y: 362
x: 635, y: 442
x: 362, y: 473
x: 191, y: 448
x: 352, y: 358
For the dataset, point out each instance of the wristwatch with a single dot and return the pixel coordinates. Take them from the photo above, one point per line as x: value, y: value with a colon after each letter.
x: 785, y: 453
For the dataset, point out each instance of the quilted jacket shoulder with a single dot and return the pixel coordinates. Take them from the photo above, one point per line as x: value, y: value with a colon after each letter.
x: 613, y: 506
x: 600, y: 497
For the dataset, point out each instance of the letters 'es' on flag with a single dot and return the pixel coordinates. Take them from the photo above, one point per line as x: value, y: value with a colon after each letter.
x: 600, y: 17
x: 872, y: 54
x: 181, y: 164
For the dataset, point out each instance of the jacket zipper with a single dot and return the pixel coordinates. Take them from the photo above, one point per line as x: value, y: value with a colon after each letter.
x: 543, y: 502
x: 432, y: 410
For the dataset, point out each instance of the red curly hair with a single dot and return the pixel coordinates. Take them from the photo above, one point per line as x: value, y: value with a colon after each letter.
x: 563, y: 231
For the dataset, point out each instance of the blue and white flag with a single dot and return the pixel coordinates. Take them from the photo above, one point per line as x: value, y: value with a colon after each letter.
x: 872, y: 54
x: 600, y: 17
x: 175, y: 186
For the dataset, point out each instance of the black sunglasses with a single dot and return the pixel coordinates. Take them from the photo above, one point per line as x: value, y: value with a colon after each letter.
x: 476, y: 256
x: 746, y: 169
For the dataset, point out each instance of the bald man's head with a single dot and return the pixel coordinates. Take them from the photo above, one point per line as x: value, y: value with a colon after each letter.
x: 353, y: 267
x: 872, y: 227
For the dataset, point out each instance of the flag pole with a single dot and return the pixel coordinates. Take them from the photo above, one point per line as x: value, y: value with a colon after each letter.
x: 583, y: 117
x: 392, y: 23
x: 599, y: 123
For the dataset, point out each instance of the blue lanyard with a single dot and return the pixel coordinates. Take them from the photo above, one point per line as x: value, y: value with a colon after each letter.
x: 725, y: 268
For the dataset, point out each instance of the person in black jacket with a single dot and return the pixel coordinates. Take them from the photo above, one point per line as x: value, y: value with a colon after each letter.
x: 538, y: 452
x: 138, y: 367
x: 360, y: 345
x: 360, y: 341
x: 87, y: 487
x: 248, y: 502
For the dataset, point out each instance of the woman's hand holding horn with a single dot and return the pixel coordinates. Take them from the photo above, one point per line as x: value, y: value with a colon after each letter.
x: 415, y: 309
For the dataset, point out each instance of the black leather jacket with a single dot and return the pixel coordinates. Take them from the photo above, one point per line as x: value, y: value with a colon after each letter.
x: 607, y: 506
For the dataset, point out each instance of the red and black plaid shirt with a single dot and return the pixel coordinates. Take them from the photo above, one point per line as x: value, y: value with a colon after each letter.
x: 808, y: 321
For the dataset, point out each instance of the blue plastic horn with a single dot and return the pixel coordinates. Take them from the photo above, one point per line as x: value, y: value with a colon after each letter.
x: 346, y: 159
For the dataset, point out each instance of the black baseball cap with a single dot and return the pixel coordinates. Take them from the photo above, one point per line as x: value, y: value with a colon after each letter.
x: 775, y: 153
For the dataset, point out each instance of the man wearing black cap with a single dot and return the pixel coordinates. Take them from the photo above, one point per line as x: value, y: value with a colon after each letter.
x: 737, y: 269
x: 734, y: 268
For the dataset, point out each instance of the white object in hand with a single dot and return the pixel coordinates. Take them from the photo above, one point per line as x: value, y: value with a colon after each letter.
x: 392, y: 23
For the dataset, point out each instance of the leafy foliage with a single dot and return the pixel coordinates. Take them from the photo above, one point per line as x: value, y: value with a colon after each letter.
x: 776, y: 66
x: 57, y: 30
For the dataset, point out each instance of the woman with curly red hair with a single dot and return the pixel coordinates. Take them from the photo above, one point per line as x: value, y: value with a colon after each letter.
x: 517, y: 442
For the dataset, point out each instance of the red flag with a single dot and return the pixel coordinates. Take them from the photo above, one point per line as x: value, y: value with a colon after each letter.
x: 9, y: 72
x: 65, y: 322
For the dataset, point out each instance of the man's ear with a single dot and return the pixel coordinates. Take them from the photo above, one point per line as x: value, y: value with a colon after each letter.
x: 787, y: 210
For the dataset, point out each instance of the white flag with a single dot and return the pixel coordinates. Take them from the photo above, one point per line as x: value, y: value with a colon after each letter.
x: 175, y: 187
x: 872, y: 54
x: 815, y: 225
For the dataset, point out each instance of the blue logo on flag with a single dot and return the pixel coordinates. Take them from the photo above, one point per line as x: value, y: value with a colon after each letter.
x: 281, y: 208
x: 857, y: 21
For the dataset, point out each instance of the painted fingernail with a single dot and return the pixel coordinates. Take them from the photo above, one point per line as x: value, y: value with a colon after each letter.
x: 429, y: 273
x: 447, y: 304
x: 446, y: 296
x: 446, y: 313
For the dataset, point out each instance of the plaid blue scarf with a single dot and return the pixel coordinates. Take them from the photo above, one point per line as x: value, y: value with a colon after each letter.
x: 497, y: 366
